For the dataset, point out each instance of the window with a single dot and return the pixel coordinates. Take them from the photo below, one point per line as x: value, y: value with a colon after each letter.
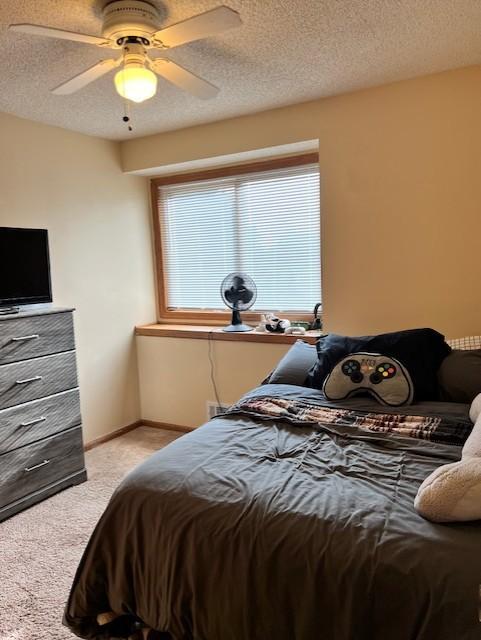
x: 260, y: 219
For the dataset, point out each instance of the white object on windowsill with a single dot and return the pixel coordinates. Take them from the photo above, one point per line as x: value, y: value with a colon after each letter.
x: 261, y: 327
x: 295, y: 331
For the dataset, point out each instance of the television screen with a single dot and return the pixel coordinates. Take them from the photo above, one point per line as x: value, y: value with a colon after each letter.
x: 24, y: 266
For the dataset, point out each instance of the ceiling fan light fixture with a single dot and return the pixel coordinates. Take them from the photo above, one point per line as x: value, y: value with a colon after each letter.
x: 136, y: 83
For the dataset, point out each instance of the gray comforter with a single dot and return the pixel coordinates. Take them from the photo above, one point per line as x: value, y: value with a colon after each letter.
x: 258, y: 529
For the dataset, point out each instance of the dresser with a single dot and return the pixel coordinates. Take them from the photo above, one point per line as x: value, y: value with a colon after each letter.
x: 41, y: 448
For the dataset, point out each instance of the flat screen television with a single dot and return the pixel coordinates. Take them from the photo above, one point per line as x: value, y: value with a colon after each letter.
x: 24, y: 267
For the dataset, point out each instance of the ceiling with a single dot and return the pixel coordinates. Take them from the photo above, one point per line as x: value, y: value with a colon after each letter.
x: 286, y: 51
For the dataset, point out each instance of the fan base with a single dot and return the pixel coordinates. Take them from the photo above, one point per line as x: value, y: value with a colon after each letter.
x: 233, y: 328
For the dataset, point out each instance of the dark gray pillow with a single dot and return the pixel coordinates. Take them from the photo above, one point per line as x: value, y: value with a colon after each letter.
x: 459, y: 376
x: 294, y: 366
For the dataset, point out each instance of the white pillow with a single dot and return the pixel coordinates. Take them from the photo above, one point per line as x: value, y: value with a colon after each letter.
x: 452, y: 493
x: 475, y: 410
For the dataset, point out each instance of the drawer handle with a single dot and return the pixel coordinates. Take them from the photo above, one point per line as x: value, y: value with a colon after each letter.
x: 27, y: 380
x: 29, y: 423
x: 25, y: 338
x: 37, y: 466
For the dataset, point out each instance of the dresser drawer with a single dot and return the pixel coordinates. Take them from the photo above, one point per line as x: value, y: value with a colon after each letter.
x: 37, y: 465
x: 32, y: 379
x: 34, y: 336
x: 35, y: 420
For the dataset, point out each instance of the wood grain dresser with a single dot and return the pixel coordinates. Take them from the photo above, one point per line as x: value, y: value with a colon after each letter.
x: 41, y: 449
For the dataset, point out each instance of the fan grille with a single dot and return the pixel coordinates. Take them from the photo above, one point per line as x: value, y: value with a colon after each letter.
x: 238, y: 291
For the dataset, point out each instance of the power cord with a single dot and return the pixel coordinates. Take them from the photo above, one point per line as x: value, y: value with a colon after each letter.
x: 212, y: 369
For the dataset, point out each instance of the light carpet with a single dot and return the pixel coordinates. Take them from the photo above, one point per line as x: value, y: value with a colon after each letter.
x: 40, y: 548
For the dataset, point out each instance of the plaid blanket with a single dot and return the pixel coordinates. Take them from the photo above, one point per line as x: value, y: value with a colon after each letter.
x: 432, y: 428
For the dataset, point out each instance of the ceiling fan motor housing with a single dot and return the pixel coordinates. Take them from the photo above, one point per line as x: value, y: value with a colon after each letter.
x: 130, y: 19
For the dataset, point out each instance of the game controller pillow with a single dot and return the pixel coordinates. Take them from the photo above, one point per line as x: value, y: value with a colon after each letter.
x: 385, y: 378
x: 420, y: 350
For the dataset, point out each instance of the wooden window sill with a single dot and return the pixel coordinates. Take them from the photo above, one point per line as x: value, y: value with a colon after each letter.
x: 216, y: 333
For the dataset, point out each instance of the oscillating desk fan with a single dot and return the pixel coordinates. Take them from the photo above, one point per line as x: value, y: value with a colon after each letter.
x: 239, y: 292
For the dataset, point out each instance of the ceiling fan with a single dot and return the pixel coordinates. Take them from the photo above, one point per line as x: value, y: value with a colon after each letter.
x: 132, y: 27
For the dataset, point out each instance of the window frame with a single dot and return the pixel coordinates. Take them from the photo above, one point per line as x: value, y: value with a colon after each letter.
x: 208, y: 316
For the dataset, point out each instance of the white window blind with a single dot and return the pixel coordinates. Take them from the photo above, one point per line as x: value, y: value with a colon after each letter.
x: 265, y: 224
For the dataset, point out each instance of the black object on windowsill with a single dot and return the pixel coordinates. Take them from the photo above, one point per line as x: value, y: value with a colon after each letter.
x: 316, y: 324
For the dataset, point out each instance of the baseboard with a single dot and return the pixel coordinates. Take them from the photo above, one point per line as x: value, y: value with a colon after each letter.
x: 135, y: 425
x: 112, y: 435
x: 167, y: 425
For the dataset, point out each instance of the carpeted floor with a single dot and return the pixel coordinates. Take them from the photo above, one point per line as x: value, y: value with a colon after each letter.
x: 40, y: 547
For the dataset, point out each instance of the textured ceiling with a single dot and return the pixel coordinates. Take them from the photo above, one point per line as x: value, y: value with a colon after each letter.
x: 286, y: 51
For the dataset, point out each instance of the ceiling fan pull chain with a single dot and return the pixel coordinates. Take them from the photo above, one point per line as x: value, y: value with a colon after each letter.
x: 127, y: 114
x: 126, y: 117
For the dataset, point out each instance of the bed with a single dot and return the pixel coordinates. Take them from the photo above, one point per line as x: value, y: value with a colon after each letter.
x: 289, y: 518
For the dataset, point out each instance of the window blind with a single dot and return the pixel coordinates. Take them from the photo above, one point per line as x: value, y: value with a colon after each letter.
x: 265, y: 224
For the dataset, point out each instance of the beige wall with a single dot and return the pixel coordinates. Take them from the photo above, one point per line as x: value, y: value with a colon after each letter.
x: 400, y: 192
x: 175, y: 382
x: 401, y: 223
x: 100, y: 246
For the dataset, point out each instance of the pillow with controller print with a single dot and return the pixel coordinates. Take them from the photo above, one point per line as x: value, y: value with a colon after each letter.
x: 384, y: 378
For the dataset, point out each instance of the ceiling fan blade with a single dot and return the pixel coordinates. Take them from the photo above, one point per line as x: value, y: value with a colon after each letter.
x: 51, y: 32
x: 86, y: 77
x: 202, y: 26
x: 184, y: 79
